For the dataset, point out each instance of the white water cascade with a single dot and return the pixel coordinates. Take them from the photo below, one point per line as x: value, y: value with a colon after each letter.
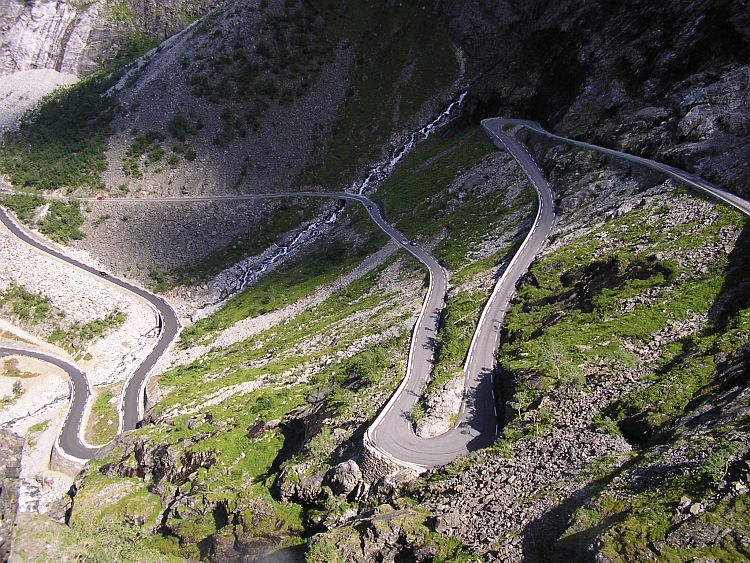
x: 245, y: 273
x: 381, y: 171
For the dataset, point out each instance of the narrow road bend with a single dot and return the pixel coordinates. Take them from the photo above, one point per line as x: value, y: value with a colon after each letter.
x: 168, y: 325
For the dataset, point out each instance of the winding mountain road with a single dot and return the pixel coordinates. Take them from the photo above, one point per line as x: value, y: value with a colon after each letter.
x: 132, y: 401
x: 391, y: 434
x: 69, y: 436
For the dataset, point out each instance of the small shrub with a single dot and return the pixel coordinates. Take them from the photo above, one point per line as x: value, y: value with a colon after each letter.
x: 339, y: 399
x: 716, y: 465
x: 322, y: 444
x: 26, y: 306
x: 417, y: 412
x: 180, y: 127
x: 22, y: 205
x: 99, y: 220
x: 606, y: 425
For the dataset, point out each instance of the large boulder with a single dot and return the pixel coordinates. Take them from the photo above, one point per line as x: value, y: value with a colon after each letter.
x: 345, y: 477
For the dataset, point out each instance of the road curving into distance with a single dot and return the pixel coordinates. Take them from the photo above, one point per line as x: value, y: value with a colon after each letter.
x: 391, y: 434
x: 690, y: 180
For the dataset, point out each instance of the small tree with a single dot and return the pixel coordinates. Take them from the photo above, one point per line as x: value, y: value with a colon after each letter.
x: 555, y: 359
x: 522, y: 397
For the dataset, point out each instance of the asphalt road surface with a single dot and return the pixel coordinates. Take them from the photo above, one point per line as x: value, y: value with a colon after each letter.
x: 167, y: 323
x: 69, y: 437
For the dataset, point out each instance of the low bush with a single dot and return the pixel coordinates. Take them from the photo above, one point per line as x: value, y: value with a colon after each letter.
x: 61, y: 144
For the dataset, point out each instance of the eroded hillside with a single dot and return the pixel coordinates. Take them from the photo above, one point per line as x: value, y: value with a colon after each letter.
x: 622, y: 374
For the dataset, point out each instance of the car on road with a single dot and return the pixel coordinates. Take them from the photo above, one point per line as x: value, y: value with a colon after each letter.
x: 100, y: 197
x: 103, y: 274
x: 404, y: 241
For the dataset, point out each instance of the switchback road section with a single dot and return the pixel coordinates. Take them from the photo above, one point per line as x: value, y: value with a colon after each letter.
x: 167, y: 324
x: 69, y: 442
x: 392, y: 434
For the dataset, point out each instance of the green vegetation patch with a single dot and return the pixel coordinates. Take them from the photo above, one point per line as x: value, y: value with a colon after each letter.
x: 103, y: 420
x: 39, y: 427
x: 146, y: 150
x: 78, y: 335
x: 10, y: 369
x: 62, y: 222
x: 121, y: 12
x: 94, y: 542
x: 570, y: 308
x: 136, y: 45
x: 236, y: 363
x: 125, y: 520
x: 24, y: 305
x: 402, y: 60
x: 23, y: 205
x: 61, y: 144
x: 453, y: 340
x: 290, y: 282
x: 630, y: 522
x: 417, y: 199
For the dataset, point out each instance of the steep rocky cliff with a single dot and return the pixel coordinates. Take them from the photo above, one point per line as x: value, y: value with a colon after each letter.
x: 78, y: 39
x: 666, y: 80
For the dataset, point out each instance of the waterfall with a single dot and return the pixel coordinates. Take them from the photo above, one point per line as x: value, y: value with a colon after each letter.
x: 382, y: 170
x: 250, y: 269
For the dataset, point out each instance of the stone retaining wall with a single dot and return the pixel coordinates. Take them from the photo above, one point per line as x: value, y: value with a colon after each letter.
x: 374, y: 465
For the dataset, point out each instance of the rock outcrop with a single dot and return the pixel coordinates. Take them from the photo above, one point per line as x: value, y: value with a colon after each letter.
x: 10, y: 469
x: 78, y: 39
x: 382, y: 535
x: 667, y: 80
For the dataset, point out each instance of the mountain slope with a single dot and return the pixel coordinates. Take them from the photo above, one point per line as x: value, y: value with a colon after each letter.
x: 665, y: 81
x: 622, y: 372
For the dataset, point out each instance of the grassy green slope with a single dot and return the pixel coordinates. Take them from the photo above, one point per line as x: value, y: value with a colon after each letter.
x: 331, y: 365
x: 402, y: 61
x: 650, y: 304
